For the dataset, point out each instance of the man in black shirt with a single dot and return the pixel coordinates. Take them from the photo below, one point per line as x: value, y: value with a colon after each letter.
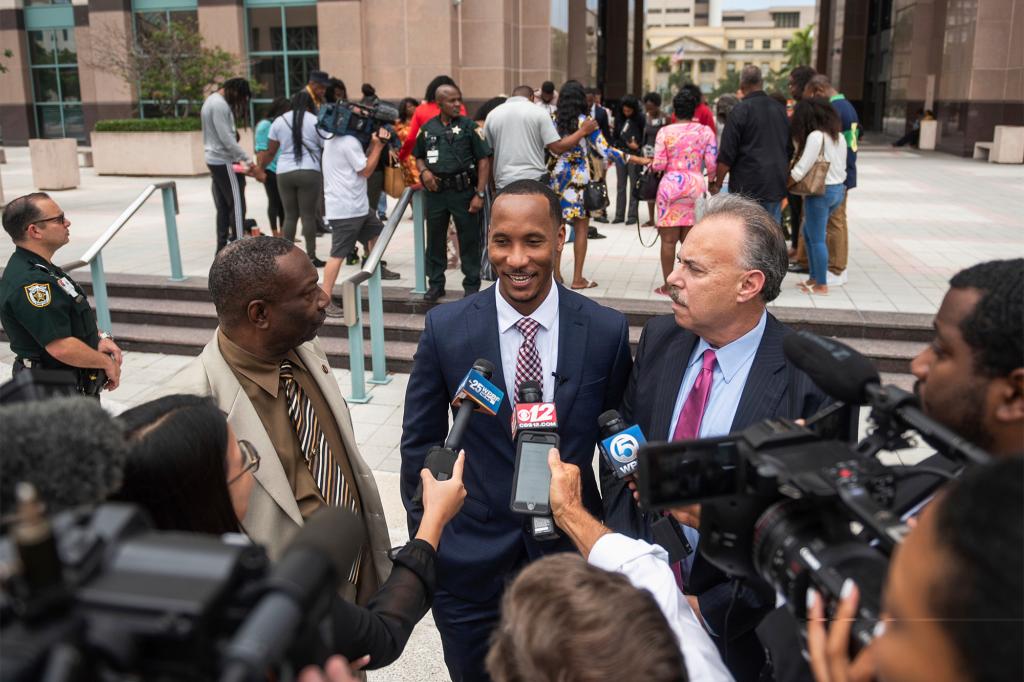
x: 756, y: 146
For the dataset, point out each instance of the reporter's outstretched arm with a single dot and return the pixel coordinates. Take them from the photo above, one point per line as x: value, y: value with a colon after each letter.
x: 442, y: 500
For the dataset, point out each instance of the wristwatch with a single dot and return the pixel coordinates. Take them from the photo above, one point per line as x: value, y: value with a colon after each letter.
x: 105, y: 335
x: 481, y: 195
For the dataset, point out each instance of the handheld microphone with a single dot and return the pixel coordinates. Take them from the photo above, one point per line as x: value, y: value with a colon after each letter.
x: 846, y: 375
x: 475, y: 393
x: 305, y: 579
x: 619, y: 443
x: 532, y: 414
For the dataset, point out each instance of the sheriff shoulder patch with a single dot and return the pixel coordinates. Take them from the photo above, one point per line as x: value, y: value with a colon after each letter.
x: 38, y: 295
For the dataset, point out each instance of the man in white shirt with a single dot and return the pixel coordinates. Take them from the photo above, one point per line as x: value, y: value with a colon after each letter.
x: 546, y: 98
x: 519, y: 132
x: 646, y: 565
x: 346, y: 167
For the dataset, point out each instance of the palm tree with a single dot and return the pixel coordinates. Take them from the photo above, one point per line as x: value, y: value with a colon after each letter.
x: 800, y: 47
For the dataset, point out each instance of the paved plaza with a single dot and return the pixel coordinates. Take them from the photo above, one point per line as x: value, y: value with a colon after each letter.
x: 915, y: 219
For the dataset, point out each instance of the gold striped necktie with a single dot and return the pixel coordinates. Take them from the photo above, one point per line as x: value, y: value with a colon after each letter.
x: 327, y: 473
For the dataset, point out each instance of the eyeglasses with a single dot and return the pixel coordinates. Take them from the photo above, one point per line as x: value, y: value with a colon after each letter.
x: 60, y: 217
x: 250, y: 459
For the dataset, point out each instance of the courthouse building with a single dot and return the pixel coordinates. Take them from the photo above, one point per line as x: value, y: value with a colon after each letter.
x: 54, y: 87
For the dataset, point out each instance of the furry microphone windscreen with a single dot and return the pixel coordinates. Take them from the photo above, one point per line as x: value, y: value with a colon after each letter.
x: 70, y: 449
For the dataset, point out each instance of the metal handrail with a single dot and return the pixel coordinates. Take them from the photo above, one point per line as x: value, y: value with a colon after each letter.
x: 116, y: 226
x: 352, y: 303
x: 93, y: 256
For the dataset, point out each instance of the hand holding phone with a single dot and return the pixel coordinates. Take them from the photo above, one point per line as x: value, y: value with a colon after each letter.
x: 531, y: 483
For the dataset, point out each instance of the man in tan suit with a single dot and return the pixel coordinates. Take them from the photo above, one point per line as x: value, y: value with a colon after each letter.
x: 267, y: 372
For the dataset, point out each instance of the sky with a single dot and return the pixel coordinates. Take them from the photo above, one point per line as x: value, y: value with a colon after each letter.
x: 762, y: 4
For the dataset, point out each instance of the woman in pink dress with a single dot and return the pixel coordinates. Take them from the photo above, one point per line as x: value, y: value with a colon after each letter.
x: 683, y: 150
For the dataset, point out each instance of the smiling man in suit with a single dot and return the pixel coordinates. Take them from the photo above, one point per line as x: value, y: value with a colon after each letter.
x: 713, y: 367
x: 530, y: 328
x: 267, y: 372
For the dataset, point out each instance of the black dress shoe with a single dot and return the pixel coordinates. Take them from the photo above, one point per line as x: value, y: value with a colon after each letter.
x: 592, y: 233
x: 796, y: 267
x: 433, y: 293
x: 388, y: 274
x: 618, y: 220
x: 317, y: 263
x: 600, y: 219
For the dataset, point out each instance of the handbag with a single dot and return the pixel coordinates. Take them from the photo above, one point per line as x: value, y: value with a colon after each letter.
x: 813, y: 184
x: 394, y: 177
x: 647, y: 184
x: 595, y: 194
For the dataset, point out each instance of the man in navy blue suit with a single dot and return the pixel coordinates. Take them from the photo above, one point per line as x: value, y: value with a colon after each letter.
x: 714, y: 367
x: 529, y: 327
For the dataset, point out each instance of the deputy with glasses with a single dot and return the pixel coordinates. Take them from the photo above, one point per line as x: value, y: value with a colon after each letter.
x: 44, y: 312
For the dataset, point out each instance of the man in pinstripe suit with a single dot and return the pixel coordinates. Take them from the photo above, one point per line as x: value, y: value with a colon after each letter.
x: 716, y: 366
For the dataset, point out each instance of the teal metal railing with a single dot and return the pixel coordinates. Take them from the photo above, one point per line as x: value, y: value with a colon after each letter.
x: 93, y: 256
x: 352, y: 299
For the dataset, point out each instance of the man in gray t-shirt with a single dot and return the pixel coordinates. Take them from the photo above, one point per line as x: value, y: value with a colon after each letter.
x: 519, y: 132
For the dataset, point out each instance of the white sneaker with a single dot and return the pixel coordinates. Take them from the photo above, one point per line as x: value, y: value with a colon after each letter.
x: 837, y: 280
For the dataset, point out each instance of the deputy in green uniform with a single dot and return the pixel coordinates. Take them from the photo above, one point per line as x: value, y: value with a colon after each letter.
x: 44, y: 312
x: 454, y: 161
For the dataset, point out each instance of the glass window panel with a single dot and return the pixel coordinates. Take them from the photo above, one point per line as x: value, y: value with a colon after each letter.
x: 269, y: 72
x: 300, y: 24
x: 74, y: 122
x: 147, y: 22
x: 70, y: 91
x: 265, y: 29
x: 298, y: 71
x: 40, y: 47
x: 188, y: 17
x: 49, y: 121
x: 44, y: 85
x: 66, y: 52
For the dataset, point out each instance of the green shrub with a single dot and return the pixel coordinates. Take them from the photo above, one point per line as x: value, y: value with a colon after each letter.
x: 148, y: 125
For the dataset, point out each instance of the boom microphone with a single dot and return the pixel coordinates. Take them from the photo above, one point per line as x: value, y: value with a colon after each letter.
x: 304, y: 580
x: 845, y: 374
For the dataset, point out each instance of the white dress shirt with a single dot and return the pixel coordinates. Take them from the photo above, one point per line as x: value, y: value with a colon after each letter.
x: 510, y: 339
x: 646, y: 566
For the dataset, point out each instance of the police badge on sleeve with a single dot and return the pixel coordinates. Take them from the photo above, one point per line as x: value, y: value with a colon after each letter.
x: 38, y: 295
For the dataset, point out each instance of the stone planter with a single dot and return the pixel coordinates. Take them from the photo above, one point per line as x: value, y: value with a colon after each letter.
x: 54, y: 163
x: 154, y: 154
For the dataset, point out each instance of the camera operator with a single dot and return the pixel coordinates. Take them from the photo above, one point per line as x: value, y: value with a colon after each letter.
x: 186, y: 468
x: 70, y: 449
x: 645, y: 565
x: 346, y: 169
x: 954, y: 599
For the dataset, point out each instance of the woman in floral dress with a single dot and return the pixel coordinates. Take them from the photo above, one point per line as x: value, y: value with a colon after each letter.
x: 571, y: 173
x: 683, y: 150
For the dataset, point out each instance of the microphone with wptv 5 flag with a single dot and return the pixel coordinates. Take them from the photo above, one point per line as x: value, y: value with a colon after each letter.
x: 475, y: 393
x: 619, y: 443
x: 535, y: 432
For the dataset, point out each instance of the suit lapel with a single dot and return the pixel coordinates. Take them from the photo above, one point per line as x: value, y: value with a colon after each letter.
x: 767, y: 379
x: 482, y: 330
x: 573, y: 327
x: 242, y: 416
x: 676, y: 356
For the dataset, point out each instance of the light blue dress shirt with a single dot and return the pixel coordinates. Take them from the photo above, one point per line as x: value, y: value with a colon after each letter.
x: 732, y: 367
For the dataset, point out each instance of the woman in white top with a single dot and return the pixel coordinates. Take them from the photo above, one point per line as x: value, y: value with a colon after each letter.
x: 299, y: 180
x: 815, y: 123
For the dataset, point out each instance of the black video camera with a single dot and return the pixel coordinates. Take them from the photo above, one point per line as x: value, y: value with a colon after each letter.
x: 99, y: 595
x: 359, y: 120
x: 783, y: 505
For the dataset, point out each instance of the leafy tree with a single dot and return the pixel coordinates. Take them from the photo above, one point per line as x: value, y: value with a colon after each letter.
x: 169, y: 65
x: 726, y: 86
x: 7, y: 54
x: 798, y: 52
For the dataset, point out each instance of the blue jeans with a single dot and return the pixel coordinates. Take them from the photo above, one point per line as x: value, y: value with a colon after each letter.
x: 816, y: 213
x: 774, y: 209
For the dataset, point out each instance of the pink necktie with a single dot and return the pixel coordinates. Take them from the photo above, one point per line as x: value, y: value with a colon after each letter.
x: 688, y: 426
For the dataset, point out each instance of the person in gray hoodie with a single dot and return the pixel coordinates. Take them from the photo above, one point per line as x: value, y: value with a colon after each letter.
x: 227, y: 161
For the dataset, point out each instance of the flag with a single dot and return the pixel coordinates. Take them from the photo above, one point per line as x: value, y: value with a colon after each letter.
x: 677, y: 56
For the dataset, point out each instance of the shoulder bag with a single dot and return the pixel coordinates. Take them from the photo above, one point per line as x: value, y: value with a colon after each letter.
x: 813, y: 184
x: 595, y: 194
x: 394, y: 177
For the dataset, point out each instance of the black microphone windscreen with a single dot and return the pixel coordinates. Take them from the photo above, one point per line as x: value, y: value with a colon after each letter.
x: 530, y: 392
x: 335, y: 533
x: 837, y: 369
x: 606, y: 418
x: 485, y: 367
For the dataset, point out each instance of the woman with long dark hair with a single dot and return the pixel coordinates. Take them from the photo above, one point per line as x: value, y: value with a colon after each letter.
x: 299, y: 179
x: 186, y: 468
x: 817, y: 132
x: 683, y: 151
x: 220, y: 113
x: 628, y: 137
x: 275, y: 209
x: 570, y: 173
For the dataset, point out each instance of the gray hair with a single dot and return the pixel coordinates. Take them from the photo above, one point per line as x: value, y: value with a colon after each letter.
x: 764, y: 247
x: 750, y: 77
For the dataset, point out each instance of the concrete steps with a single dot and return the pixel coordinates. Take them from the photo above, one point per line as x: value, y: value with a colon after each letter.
x: 153, y: 314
